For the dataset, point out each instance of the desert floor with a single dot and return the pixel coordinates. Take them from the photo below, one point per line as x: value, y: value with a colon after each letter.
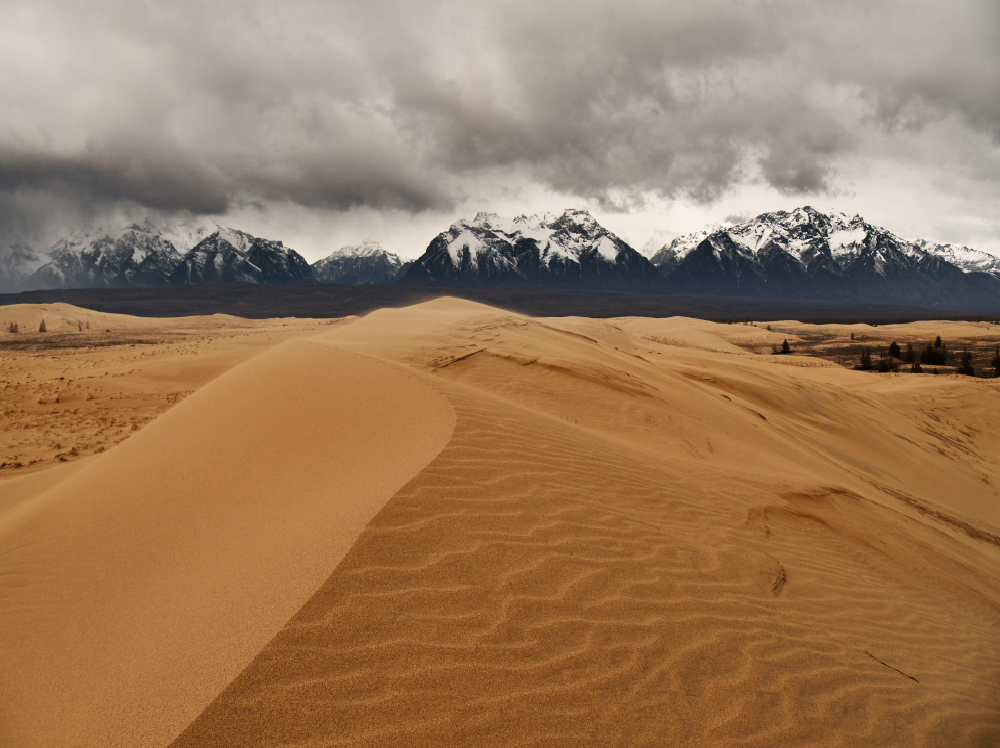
x: 452, y: 525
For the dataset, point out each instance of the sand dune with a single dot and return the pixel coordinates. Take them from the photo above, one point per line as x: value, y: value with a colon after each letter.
x: 136, y: 589
x: 612, y: 532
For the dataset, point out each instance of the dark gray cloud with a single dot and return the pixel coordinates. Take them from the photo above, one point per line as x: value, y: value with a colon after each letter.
x: 192, y: 106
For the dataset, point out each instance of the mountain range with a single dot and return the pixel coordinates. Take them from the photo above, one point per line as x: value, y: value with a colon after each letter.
x: 138, y: 255
x: 804, y: 254
x: 812, y: 254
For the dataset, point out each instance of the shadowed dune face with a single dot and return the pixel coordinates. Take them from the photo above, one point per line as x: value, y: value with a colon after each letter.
x: 632, y: 543
x: 602, y: 532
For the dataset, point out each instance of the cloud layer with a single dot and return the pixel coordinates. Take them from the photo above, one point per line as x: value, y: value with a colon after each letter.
x: 199, y: 106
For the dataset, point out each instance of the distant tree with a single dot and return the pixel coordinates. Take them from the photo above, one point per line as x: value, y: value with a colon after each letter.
x: 852, y: 336
x: 769, y: 328
x: 935, y: 355
x: 966, y: 365
x: 88, y: 324
x: 785, y: 348
x: 866, y: 360
x: 938, y: 343
x: 910, y: 355
x: 774, y: 350
x: 80, y: 324
x: 885, y: 363
x: 10, y: 328
x: 917, y: 368
x: 41, y: 327
x: 894, y: 349
x: 995, y: 363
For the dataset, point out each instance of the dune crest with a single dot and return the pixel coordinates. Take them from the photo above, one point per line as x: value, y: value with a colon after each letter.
x: 137, y: 588
x: 635, y: 542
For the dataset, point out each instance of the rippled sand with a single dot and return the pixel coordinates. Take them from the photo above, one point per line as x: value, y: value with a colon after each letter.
x: 453, y: 525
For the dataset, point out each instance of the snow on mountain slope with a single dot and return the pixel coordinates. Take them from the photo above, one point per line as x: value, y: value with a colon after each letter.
x: 570, y: 250
x: 18, y: 262
x: 116, y: 257
x: 365, y: 264
x: 968, y: 260
x: 811, y: 253
x: 231, y: 256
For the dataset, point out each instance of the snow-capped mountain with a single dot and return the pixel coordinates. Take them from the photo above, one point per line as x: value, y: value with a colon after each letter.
x: 18, y: 262
x: 570, y: 250
x: 366, y: 264
x: 966, y: 259
x: 135, y: 255
x: 808, y: 253
x: 670, y: 255
x: 230, y: 256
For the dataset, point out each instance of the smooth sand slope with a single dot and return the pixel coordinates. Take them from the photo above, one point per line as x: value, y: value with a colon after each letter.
x: 633, y: 532
x: 140, y: 585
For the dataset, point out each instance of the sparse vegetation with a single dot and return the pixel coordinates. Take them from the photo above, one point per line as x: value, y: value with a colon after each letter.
x: 966, y: 365
x: 866, y: 360
x: 935, y: 354
x: 41, y: 327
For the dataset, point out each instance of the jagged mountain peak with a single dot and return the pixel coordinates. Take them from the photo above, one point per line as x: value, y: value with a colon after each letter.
x: 367, y: 263
x: 570, y: 249
x: 232, y: 256
x: 810, y: 252
x: 367, y: 248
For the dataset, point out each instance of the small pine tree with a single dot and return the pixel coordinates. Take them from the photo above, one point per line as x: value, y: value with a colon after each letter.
x: 934, y: 355
x: 884, y: 363
x: 769, y: 328
x: 785, y: 348
x: 910, y: 354
x: 894, y: 349
x: 10, y: 328
x: 938, y: 343
x: 917, y: 368
x: 866, y: 360
x: 852, y: 336
x: 966, y: 365
x: 41, y: 327
x: 80, y: 326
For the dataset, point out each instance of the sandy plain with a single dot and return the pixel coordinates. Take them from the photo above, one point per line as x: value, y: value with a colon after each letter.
x: 454, y: 525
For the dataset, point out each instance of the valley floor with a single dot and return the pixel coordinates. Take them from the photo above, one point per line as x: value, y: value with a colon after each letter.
x: 453, y: 525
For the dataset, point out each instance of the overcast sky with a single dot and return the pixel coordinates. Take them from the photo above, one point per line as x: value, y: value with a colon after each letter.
x: 325, y: 123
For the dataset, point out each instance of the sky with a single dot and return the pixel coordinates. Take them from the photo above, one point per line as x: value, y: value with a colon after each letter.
x: 326, y: 123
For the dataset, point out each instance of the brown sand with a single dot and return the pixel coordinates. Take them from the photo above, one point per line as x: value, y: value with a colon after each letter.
x: 634, y: 532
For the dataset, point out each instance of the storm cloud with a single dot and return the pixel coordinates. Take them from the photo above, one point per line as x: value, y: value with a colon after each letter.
x: 196, y: 106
